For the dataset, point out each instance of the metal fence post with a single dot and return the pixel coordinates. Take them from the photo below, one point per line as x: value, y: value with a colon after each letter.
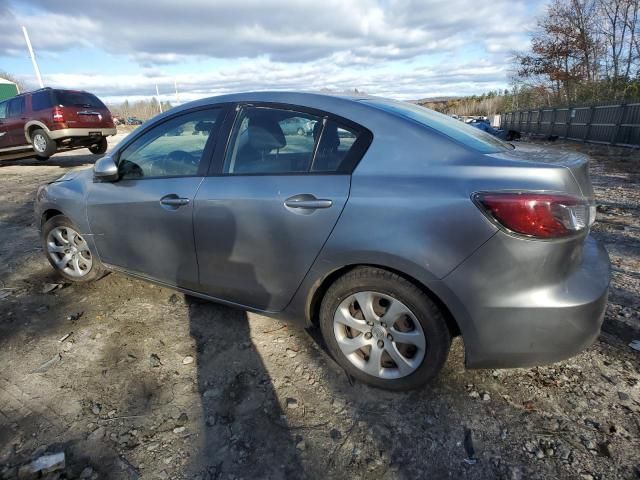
x: 554, y: 116
x: 569, y: 112
x: 539, y: 121
x: 587, y: 129
x: 616, y: 128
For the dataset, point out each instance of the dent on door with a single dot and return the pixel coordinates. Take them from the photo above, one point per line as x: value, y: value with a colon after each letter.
x: 257, y: 236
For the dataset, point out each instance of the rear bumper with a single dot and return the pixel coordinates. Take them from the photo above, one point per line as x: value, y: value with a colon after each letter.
x: 512, y: 316
x: 80, y: 132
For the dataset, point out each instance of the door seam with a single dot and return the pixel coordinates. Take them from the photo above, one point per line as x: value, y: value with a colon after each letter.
x: 193, y: 227
x: 315, y: 259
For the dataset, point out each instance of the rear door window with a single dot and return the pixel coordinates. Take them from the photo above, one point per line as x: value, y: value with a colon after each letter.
x: 41, y: 101
x: 271, y: 141
x: 68, y: 98
x: 336, y: 146
x: 16, y: 107
x: 3, y: 110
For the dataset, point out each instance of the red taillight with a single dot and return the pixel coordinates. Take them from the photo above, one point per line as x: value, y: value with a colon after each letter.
x: 538, y: 215
x: 58, y: 115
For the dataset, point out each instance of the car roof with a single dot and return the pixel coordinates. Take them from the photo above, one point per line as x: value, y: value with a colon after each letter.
x: 50, y: 89
x: 351, y: 106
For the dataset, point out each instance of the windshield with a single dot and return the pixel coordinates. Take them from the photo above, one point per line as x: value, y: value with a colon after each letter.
x: 455, y: 129
x: 77, y: 99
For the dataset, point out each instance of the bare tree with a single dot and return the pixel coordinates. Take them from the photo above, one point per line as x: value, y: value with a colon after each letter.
x: 619, y: 29
x: 583, y: 51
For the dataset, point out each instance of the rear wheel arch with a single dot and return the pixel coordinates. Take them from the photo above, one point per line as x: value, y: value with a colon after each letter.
x: 320, y: 289
x: 31, y: 127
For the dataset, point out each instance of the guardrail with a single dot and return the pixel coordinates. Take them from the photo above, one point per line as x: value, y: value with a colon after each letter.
x: 606, y: 124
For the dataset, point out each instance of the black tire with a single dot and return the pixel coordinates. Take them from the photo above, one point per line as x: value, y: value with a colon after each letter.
x: 438, y: 337
x: 100, y: 147
x: 94, y: 273
x: 43, y: 146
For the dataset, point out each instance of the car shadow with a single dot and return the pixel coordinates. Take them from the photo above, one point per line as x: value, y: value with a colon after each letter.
x: 74, y: 158
x: 244, y: 431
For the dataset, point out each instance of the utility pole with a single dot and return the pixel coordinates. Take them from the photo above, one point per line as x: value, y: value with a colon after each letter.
x: 33, y: 56
x: 158, y: 97
x: 175, y: 85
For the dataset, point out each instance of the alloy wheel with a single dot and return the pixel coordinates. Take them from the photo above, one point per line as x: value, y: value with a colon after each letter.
x: 39, y: 142
x: 379, y: 335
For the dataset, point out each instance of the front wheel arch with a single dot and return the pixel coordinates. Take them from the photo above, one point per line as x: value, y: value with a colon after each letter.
x: 48, y: 215
x: 321, y: 287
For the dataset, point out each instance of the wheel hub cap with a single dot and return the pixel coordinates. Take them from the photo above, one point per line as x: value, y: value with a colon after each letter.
x: 40, y: 143
x: 379, y: 334
x: 69, y: 252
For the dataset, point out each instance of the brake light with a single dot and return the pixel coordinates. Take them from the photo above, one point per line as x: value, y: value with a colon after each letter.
x: 58, y: 116
x: 537, y: 215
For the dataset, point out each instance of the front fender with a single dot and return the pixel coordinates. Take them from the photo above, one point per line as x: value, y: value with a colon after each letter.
x: 67, y: 195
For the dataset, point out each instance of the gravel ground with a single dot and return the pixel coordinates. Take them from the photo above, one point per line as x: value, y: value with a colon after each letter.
x: 130, y: 380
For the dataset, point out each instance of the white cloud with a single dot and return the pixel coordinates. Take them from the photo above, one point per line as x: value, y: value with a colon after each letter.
x: 263, y: 74
x: 379, y: 46
x: 166, y: 31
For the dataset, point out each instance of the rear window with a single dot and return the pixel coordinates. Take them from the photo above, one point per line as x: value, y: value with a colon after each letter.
x: 41, y: 101
x: 467, y: 135
x: 77, y: 99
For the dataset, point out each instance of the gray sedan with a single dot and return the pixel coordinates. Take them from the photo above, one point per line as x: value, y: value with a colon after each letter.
x: 391, y: 227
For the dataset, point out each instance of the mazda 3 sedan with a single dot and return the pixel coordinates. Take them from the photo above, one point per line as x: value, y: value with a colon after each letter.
x: 391, y: 227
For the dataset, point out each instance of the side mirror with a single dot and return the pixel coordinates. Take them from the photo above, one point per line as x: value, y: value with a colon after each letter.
x: 105, y: 170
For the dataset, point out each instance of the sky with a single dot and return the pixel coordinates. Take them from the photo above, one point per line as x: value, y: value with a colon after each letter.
x: 404, y: 49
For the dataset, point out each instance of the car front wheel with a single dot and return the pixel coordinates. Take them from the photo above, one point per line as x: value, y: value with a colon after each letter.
x: 383, y: 330
x: 68, y: 251
x: 42, y: 144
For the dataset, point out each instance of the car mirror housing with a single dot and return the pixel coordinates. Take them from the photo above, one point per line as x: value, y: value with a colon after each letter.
x: 105, y: 170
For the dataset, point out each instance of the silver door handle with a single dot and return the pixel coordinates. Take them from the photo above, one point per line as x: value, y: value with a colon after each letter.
x: 309, y: 204
x: 174, y: 202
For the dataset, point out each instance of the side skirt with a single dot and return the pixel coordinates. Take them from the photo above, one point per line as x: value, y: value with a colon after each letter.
x: 268, y: 313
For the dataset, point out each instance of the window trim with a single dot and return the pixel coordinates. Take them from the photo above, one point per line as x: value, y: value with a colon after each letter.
x: 348, y: 165
x: 207, y: 154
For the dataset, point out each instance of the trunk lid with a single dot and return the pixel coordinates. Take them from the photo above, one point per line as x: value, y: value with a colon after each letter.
x: 576, y: 163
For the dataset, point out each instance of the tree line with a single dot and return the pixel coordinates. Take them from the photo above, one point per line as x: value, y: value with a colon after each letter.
x: 581, y: 52
x: 141, y: 109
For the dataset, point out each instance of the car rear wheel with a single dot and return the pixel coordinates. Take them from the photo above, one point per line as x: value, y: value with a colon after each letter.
x: 42, y: 144
x: 100, y: 147
x: 68, y: 251
x: 383, y: 330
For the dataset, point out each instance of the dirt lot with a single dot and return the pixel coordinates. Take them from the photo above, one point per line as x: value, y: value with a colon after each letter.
x: 132, y: 381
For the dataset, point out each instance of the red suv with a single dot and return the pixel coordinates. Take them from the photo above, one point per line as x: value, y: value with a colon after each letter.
x: 50, y: 119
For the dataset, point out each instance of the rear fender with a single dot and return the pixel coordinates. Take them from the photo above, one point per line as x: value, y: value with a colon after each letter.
x: 31, y: 125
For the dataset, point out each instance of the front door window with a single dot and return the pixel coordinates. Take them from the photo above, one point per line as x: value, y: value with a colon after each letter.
x: 174, y: 148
